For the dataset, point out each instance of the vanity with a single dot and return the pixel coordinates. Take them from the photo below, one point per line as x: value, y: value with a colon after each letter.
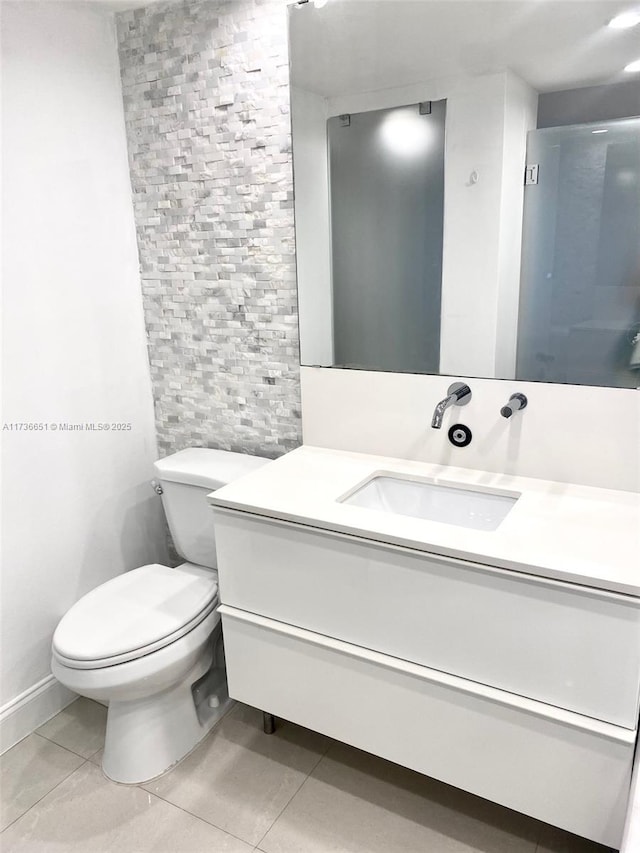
x: 463, y: 210
x: 496, y: 648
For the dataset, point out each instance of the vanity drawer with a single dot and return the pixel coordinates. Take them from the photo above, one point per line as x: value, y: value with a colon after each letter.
x: 556, y: 766
x: 574, y: 647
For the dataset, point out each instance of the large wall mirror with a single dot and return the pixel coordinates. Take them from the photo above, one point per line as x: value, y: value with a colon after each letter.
x: 467, y: 187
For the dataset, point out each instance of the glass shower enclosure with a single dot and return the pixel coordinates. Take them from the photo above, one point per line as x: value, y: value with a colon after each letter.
x: 579, y: 316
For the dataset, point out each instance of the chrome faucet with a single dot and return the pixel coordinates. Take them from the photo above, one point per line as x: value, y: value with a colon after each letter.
x: 459, y: 394
x: 515, y: 404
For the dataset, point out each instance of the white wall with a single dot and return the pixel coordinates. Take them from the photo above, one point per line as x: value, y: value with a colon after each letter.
x: 77, y: 505
x: 487, y: 122
x: 521, y: 104
x: 313, y: 238
x: 473, y: 220
x: 569, y: 433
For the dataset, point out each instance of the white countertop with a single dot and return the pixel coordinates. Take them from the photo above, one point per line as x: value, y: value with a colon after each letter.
x: 566, y: 532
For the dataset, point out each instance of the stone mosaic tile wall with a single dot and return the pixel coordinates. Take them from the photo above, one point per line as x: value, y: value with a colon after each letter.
x: 205, y: 87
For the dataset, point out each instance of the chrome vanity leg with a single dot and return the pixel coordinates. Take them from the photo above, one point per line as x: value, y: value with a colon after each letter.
x: 268, y: 723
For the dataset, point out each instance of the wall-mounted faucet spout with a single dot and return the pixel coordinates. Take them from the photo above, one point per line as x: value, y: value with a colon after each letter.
x: 459, y: 395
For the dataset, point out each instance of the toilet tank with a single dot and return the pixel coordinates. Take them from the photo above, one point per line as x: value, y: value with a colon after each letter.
x: 187, y: 478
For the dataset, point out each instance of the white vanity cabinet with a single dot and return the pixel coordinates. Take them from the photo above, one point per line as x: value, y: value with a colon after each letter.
x: 574, y: 647
x: 520, y: 688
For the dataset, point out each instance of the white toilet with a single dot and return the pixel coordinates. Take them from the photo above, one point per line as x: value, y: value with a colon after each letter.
x: 149, y: 642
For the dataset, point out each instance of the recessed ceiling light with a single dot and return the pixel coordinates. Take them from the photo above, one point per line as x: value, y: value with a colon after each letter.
x: 633, y: 66
x: 599, y: 131
x: 625, y: 20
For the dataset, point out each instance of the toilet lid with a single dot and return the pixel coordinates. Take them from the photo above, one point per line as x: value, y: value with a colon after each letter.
x: 135, y: 613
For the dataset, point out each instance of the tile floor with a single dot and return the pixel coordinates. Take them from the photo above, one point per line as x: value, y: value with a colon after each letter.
x: 240, y: 790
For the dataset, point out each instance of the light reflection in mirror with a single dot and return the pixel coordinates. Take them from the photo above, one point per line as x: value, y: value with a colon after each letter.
x: 405, y: 133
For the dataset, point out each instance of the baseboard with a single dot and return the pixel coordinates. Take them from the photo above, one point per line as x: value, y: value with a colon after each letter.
x: 29, y: 710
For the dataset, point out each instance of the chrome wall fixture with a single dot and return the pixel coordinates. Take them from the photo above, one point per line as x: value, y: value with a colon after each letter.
x: 515, y: 404
x: 459, y: 394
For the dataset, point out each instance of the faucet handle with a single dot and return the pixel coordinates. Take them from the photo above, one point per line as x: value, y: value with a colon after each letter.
x: 516, y: 402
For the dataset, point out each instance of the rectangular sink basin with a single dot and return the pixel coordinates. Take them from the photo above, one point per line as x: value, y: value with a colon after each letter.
x: 479, y: 510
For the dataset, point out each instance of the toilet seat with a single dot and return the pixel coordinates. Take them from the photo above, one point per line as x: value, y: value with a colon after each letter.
x: 134, y: 615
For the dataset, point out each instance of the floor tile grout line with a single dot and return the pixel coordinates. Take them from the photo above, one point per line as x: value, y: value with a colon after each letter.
x: 293, y: 796
x: 55, y: 743
x: 215, y: 825
x: 192, y: 814
x: 50, y: 791
x: 322, y: 757
x: 258, y: 849
x: 286, y: 806
x: 332, y: 743
x: 537, y: 841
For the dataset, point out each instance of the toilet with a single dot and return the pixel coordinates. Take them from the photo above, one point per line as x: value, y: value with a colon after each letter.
x: 149, y: 642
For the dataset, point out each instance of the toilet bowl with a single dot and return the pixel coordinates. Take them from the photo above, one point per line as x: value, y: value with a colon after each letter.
x: 149, y: 642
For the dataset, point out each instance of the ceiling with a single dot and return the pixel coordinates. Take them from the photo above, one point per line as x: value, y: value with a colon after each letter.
x: 362, y: 45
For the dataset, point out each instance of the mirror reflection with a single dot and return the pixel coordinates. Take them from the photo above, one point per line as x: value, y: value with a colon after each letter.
x: 467, y: 188
x: 386, y: 194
